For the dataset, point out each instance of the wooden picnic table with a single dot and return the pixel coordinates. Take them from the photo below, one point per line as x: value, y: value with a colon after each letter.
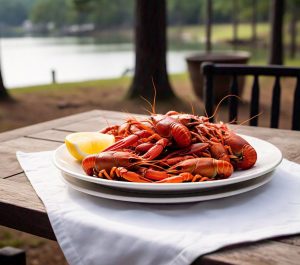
x: 21, y: 209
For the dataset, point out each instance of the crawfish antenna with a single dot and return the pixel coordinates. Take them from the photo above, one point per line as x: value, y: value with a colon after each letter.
x: 219, y: 104
x: 192, y: 107
x: 147, y: 101
x: 154, y: 97
x: 250, y: 119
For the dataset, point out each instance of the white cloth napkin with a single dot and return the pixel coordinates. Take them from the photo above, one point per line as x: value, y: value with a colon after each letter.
x: 93, y: 230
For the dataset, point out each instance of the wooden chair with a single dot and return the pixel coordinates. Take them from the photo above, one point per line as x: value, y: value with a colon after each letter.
x: 211, y: 70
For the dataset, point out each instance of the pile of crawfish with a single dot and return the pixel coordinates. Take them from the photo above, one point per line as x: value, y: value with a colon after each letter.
x: 171, y: 148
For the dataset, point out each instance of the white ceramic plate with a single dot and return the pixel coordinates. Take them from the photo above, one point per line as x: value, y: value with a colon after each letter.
x: 268, y: 158
x: 167, y: 198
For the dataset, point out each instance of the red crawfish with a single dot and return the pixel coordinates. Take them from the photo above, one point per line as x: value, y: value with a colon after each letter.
x: 245, y: 154
x: 120, y: 165
x: 199, y: 167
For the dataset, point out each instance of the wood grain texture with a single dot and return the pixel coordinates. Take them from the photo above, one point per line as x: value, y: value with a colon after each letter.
x: 21, y: 209
x: 19, y: 178
x: 98, y: 123
x: 47, y: 125
x: 8, y: 162
x: 89, y: 125
x: 264, y: 253
x: 51, y: 135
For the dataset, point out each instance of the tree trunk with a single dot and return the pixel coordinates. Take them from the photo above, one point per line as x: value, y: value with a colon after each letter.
x: 150, y: 51
x: 254, y: 21
x: 293, y: 32
x: 235, y: 22
x: 208, y: 21
x: 3, y: 92
x: 276, y: 42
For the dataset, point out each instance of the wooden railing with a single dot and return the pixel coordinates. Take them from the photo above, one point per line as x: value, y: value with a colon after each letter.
x: 211, y: 70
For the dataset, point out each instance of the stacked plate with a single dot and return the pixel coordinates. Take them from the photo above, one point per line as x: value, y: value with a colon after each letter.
x: 268, y: 158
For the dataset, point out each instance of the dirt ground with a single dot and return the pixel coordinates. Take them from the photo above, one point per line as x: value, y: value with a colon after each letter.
x: 33, y: 107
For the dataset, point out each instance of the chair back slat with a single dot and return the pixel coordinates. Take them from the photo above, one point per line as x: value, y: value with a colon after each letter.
x: 254, y: 108
x: 275, y: 109
x: 208, y: 90
x: 296, y: 108
x: 233, y: 101
x: 211, y: 70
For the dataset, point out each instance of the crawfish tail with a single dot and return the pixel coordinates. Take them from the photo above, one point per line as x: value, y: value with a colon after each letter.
x: 206, y: 167
x: 224, y: 168
x: 248, y: 158
x: 181, y: 135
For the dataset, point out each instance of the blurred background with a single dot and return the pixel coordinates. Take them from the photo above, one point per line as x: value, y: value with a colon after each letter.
x: 38, y: 36
x: 59, y: 57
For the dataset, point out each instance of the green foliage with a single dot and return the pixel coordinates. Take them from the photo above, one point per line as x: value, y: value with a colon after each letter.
x: 115, y: 13
x: 106, y: 13
x: 184, y: 12
x: 45, y: 11
x: 223, y: 10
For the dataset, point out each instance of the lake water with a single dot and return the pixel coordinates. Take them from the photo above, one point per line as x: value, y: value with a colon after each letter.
x: 29, y: 61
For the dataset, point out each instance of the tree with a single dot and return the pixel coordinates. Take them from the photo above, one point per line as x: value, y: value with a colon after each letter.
x: 277, y: 13
x: 3, y: 92
x: 150, y: 51
x: 208, y: 21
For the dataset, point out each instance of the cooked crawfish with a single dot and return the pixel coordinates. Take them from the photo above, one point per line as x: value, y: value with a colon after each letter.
x: 117, y: 164
x: 187, y: 148
x: 245, y: 154
x: 206, y: 167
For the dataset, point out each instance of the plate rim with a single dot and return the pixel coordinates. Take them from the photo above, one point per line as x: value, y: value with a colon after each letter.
x: 167, y: 186
x: 264, y: 179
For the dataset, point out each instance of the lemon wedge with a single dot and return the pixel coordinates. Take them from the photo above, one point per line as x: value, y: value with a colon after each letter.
x: 82, y: 144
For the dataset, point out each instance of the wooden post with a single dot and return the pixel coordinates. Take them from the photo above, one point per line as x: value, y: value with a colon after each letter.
x: 53, y: 75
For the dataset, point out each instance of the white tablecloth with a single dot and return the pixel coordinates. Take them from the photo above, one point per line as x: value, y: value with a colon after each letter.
x: 97, y: 231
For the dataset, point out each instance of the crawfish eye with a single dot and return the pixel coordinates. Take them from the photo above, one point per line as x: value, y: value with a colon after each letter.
x: 178, y: 168
x: 132, y: 160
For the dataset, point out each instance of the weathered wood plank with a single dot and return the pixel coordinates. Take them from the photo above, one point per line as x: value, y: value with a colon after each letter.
x: 21, y: 209
x: 89, y: 125
x: 264, y: 253
x: 20, y: 178
x: 9, y: 164
x: 48, y: 125
x: 95, y: 124
x: 51, y: 135
x: 292, y: 240
x: 119, y: 115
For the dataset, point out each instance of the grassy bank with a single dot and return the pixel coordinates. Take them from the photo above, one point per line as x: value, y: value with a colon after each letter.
x: 57, y: 100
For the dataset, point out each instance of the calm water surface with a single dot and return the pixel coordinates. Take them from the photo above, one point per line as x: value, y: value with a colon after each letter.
x: 29, y: 61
